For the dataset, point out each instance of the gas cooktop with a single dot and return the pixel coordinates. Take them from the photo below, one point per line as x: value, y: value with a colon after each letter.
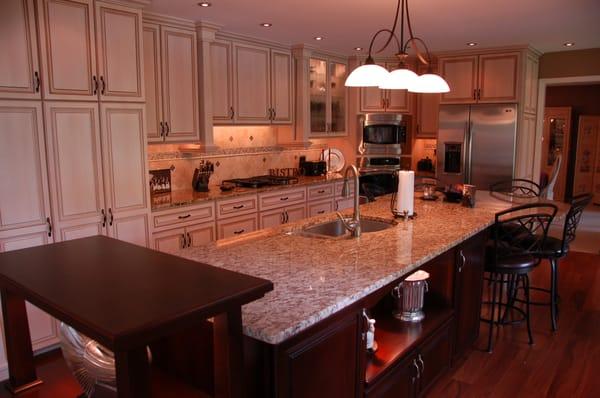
x: 262, y: 181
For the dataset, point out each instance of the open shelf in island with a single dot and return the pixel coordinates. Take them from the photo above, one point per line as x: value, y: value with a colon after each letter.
x: 396, y: 338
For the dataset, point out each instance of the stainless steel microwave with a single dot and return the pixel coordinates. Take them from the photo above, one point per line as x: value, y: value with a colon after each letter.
x: 383, y: 132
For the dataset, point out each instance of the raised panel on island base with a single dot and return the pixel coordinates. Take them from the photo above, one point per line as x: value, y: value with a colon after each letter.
x: 20, y: 74
x: 120, y: 52
x: 68, y: 55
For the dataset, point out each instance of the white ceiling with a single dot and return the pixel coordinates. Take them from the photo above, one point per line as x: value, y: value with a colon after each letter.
x: 443, y: 24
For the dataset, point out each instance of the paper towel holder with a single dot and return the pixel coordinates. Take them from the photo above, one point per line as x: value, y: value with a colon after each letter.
x: 396, y: 213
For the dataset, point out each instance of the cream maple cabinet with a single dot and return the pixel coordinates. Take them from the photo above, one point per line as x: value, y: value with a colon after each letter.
x: 374, y: 99
x: 250, y: 84
x: 427, y: 110
x: 171, y: 70
x: 97, y: 170
x: 484, y: 78
x: 19, y: 65
x: 283, y: 215
x: 179, y: 238
x: 90, y: 50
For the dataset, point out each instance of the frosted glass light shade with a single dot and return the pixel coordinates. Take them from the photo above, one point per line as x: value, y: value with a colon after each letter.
x: 367, y: 75
x: 429, y: 83
x: 399, y: 79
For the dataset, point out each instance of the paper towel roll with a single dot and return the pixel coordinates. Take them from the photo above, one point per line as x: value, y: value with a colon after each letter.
x: 405, y: 199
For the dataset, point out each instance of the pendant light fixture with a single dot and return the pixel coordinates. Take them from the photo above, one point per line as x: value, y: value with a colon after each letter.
x: 372, y: 75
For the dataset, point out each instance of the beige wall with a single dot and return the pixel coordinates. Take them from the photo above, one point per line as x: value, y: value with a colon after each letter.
x: 570, y: 63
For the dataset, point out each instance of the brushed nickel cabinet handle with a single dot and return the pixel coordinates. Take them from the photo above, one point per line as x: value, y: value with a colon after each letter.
x: 184, y: 217
x: 103, y: 85
x: 282, y: 217
x: 238, y: 207
x: 284, y: 198
x: 182, y: 241
x: 274, y: 113
x: 478, y: 93
x: 162, y: 129
x: 321, y: 191
x: 112, y: 217
x: 168, y: 129
x: 474, y: 94
x: 321, y: 212
x: 49, y: 226
x: 232, y: 112
x: 189, y: 240
x: 287, y: 217
x: 240, y: 231
x: 103, y: 218
x: 463, y: 261
x: 420, y: 360
x: 95, y: 85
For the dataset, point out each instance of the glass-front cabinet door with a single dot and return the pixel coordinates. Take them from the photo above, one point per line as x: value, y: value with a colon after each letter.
x: 327, y: 97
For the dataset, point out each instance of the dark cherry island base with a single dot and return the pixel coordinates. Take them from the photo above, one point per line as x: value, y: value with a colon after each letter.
x: 328, y: 359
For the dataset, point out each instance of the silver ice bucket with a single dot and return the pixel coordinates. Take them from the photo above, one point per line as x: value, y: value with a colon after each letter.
x: 409, y: 297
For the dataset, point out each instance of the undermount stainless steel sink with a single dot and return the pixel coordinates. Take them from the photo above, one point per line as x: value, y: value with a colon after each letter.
x: 336, y: 228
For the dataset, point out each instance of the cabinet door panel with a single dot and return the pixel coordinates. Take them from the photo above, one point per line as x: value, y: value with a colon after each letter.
x: 124, y: 153
x: 400, y: 382
x: 237, y: 226
x: 398, y: 100
x: 251, y: 83
x: 498, y: 77
x: 461, y: 75
x: 119, y: 33
x: 337, y: 97
x: 153, y: 81
x: 68, y: 49
x: 435, y: 357
x: 202, y: 234
x: 273, y: 218
x: 315, y: 209
x: 180, y: 84
x: 74, y: 158
x: 468, y: 289
x: 131, y: 228
x: 281, y: 87
x: 42, y: 326
x: 372, y: 99
x: 18, y: 40
x: 168, y: 241
x: 77, y: 231
x: 221, y: 84
x: 428, y: 113
x: 295, y: 213
x: 24, y: 198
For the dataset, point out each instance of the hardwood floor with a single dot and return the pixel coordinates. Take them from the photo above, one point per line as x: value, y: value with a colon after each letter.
x: 561, y: 364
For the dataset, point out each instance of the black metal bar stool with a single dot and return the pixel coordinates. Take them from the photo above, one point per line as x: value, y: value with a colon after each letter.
x: 517, y: 188
x: 556, y: 248
x: 519, y: 234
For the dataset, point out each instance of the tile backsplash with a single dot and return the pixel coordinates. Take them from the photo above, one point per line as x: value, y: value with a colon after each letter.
x: 244, y: 152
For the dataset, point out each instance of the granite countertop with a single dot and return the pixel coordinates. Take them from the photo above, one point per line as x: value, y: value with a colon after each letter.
x: 187, y: 197
x: 315, y: 277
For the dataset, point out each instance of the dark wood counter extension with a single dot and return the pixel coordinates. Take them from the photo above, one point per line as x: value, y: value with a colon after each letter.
x: 125, y: 297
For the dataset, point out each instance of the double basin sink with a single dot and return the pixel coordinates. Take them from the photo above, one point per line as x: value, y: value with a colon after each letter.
x: 336, y: 228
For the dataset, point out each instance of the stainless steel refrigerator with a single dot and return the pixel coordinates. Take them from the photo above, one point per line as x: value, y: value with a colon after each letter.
x: 476, y: 144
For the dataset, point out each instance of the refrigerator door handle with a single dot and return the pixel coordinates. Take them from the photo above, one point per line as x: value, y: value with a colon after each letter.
x: 468, y: 152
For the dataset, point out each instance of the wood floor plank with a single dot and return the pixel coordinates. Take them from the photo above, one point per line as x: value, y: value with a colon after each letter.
x: 565, y: 363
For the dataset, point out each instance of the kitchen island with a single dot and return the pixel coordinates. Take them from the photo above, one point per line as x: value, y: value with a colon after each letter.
x: 305, y: 338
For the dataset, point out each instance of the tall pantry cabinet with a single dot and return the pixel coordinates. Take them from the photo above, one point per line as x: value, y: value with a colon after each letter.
x: 72, y: 127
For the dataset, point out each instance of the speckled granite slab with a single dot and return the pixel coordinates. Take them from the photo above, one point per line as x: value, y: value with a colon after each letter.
x: 315, y: 277
x: 187, y: 197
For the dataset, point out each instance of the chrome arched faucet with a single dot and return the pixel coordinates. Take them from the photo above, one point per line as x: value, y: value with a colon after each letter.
x: 353, y: 224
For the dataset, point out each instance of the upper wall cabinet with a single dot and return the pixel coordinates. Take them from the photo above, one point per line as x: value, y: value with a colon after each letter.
x: 484, y: 78
x: 84, y: 57
x: 170, y: 63
x: 19, y: 66
x: 328, y: 99
x: 250, y: 84
x: 119, y: 36
x: 374, y: 99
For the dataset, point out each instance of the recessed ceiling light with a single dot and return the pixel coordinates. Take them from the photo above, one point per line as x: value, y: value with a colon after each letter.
x: 358, y: 48
x: 266, y: 24
x: 569, y: 44
x: 471, y: 44
x: 205, y: 4
x: 318, y: 38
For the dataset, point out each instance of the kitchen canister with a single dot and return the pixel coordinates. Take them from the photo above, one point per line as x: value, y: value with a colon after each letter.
x: 409, y: 297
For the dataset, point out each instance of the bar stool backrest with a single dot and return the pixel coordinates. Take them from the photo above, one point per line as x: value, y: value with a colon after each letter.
x: 578, y: 204
x: 522, y: 230
x: 518, y: 187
